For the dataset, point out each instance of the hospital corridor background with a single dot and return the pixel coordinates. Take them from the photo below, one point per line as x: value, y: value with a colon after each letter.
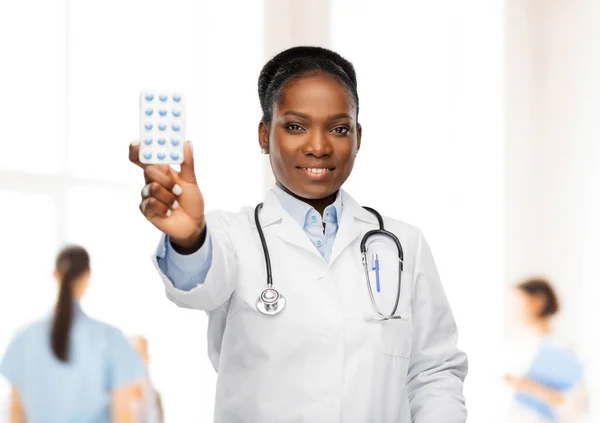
x: 480, y: 127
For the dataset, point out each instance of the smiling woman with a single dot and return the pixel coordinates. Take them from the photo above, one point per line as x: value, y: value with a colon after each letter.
x: 329, y: 358
x: 310, y: 123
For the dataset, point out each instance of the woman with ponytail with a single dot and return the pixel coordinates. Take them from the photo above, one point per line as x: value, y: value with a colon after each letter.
x: 68, y: 367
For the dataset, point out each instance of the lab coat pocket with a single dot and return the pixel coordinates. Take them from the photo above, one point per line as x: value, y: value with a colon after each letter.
x: 396, y: 334
x: 395, y: 337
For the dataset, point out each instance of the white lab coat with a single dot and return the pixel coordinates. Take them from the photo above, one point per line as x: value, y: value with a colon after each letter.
x: 319, y: 360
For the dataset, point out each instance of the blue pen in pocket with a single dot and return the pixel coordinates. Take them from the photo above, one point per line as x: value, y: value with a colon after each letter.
x: 376, y: 269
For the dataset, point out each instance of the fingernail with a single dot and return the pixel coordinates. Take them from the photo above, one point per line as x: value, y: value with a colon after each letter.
x: 135, y: 142
x: 175, y: 205
x: 168, y: 213
x: 177, y: 190
x: 146, y: 191
x: 191, y: 145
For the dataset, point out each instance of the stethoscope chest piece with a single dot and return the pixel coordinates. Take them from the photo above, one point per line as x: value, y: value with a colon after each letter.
x: 270, y: 302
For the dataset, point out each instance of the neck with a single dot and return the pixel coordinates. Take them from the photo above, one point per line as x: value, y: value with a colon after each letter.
x: 541, y: 326
x: 319, y: 204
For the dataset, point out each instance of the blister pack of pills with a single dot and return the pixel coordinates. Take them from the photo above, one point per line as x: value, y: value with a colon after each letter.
x: 162, y: 127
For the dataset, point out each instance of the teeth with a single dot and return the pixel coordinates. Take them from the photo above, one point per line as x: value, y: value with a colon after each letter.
x: 316, y: 170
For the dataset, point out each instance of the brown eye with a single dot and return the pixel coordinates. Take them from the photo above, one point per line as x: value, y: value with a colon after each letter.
x: 293, y: 127
x: 341, y: 130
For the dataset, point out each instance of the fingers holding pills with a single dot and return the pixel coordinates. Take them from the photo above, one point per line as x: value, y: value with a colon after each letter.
x: 170, y: 198
x: 162, y: 175
x: 152, y: 208
x: 155, y: 190
x: 159, y: 195
x: 134, y: 153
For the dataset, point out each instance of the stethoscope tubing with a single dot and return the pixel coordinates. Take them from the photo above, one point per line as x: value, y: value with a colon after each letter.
x: 261, y: 304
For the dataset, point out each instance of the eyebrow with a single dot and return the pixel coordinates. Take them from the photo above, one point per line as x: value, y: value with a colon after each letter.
x: 305, y: 116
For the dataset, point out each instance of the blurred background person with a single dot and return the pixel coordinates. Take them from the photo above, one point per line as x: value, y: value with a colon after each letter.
x: 147, y: 406
x: 68, y: 367
x: 535, y: 305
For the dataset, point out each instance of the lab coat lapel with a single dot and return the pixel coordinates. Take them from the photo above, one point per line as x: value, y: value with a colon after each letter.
x: 272, y: 212
x: 292, y: 233
x: 350, y: 225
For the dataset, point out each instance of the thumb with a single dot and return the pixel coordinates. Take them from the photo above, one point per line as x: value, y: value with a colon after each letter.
x: 187, y: 166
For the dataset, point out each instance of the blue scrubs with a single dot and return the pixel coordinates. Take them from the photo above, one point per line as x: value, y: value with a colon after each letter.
x: 101, y: 359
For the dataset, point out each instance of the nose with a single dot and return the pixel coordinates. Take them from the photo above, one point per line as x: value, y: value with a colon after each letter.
x: 318, y: 144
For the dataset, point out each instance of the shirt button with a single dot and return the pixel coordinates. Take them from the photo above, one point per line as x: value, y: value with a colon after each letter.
x: 319, y: 243
x: 313, y: 218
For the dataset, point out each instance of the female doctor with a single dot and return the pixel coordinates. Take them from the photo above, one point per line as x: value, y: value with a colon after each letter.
x: 296, y: 333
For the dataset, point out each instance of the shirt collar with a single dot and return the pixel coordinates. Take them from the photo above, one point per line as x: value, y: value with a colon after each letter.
x: 301, y: 211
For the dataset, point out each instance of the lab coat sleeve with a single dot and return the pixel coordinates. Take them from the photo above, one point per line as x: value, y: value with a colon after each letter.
x: 437, y: 367
x: 184, y: 271
x: 206, y: 279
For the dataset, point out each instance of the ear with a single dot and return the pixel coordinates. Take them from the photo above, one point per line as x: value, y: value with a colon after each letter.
x: 358, y: 137
x: 56, y: 276
x: 263, y: 136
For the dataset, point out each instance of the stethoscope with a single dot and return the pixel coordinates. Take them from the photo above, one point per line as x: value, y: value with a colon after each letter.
x: 271, y: 302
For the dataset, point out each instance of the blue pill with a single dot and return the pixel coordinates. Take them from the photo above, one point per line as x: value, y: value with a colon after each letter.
x: 161, y: 155
x: 149, y: 97
x: 162, y: 98
x: 147, y: 155
x: 162, y: 112
x: 175, y: 142
x: 148, y: 141
x: 175, y: 127
x: 162, y: 126
x: 161, y: 141
x: 148, y: 126
x: 176, y: 112
x: 149, y: 112
x: 176, y: 98
x: 174, y: 155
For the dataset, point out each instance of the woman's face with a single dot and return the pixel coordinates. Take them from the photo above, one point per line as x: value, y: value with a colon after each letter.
x: 313, y: 137
x: 528, y: 307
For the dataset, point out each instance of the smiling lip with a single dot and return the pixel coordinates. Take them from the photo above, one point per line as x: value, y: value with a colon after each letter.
x: 316, y: 172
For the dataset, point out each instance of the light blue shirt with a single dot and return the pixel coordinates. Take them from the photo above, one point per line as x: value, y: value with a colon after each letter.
x: 187, y: 271
x: 78, y: 391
